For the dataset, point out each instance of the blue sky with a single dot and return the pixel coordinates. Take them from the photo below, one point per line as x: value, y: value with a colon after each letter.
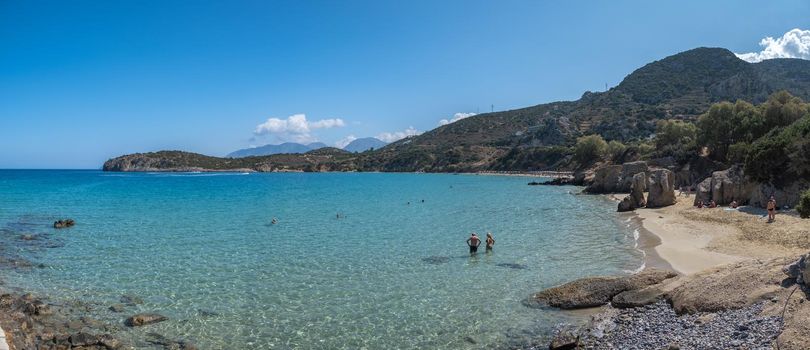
x: 83, y: 81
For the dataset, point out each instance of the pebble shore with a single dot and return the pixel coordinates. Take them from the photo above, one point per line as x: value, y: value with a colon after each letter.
x: 656, y: 326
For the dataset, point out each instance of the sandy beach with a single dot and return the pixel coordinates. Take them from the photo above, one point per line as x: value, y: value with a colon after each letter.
x: 693, y: 240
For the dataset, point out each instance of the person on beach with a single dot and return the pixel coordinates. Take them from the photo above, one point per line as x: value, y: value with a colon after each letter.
x: 700, y: 204
x: 490, y: 241
x: 473, y: 242
x: 712, y: 204
x: 733, y: 204
x: 771, y: 209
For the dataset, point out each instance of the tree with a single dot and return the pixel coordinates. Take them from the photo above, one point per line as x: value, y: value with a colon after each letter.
x: 675, y: 138
x: 715, y: 129
x: 589, y: 148
x: 782, y: 109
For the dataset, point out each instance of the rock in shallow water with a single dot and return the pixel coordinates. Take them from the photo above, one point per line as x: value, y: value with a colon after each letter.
x: 144, y: 319
x: 595, y: 291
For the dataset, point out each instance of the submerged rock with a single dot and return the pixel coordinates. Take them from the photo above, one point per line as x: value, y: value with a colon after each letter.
x: 436, y: 260
x: 595, y: 291
x: 117, y: 307
x: 131, y: 299
x: 159, y: 339
x: 63, y: 223
x: 144, y: 319
x: 513, y: 266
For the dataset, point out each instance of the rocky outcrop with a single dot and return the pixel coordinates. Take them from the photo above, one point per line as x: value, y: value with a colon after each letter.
x: 32, y: 323
x: 786, y: 196
x: 615, y: 178
x: 729, y: 287
x: 595, y: 291
x: 605, y: 180
x: 724, y: 187
x: 144, y: 319
x: 661, y: 189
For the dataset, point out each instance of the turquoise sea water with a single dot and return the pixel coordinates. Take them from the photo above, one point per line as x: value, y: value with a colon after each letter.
x: 393, y: 272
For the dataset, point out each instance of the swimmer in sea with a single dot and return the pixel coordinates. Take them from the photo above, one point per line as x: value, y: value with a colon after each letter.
x: 490, y: 241
x: 274, y: 221
x: 473, y: 242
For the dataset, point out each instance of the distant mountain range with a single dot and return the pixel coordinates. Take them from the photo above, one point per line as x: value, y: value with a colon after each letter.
x: 364, y: 144
x: 284, y: 148
x: 359, y: 145
x: 681, y: 86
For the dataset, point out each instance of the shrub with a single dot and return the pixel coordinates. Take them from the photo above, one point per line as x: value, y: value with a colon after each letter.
x: 615, y: 149
x: 589, y: 148
x: 804, y: 205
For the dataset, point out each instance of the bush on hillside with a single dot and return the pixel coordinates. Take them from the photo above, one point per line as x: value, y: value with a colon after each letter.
x: 804, y: 205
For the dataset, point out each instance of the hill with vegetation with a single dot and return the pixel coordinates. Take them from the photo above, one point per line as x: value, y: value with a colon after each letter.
x: 678, y: 88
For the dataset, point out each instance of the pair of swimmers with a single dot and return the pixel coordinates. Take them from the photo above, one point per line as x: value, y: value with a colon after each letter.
x: 473, y: 242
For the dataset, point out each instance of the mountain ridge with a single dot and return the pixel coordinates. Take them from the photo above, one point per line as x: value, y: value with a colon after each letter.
x: 680, y: 86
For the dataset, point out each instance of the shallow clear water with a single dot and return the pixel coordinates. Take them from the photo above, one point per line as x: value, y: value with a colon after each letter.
x: 201, y: 249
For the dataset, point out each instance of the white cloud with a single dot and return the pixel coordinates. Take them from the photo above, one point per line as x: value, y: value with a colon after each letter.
x: 295, y: 128
x: 794, y: 44
x: 398, y: 135
x: 345, y: 141
x: 456, y: 117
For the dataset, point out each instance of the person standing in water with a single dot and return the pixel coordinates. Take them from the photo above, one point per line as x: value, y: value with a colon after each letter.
x: 473, y: 242
x: 490, y: 241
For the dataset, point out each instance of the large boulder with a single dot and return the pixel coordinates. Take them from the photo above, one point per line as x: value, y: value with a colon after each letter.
x: 798, y: 270
x: 636, y: 197
x: 703, y: 192
x: 637, y: 189
x: 629, y: 170
x: 662, y: 189
x: 605, y: 179
x: 626, y: 204
x: 729, y: 185
x: 595, y: 291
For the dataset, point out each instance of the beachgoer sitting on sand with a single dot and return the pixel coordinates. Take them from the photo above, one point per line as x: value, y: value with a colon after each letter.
x: 490, y: 241
x: 771, y: 209
x: 733, y: 204
x: 712, y: 204
x: 700, y: 204
x: 473, y: 242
